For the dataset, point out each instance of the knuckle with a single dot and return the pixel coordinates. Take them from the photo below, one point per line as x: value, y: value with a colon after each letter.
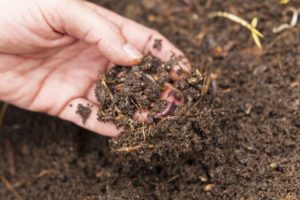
x: 155, y: 33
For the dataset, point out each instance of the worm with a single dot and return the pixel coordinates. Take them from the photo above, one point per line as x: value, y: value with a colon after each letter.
x: 169, y: 106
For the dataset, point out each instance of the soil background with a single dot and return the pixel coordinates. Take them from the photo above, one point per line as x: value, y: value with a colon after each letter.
x: 257, y: 154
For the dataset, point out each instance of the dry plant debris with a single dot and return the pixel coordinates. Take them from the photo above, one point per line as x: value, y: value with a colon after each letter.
x: 255, y: 33
x: 293, y: 22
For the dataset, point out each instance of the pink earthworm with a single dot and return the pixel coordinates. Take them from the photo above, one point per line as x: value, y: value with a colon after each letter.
x: 169, y: 106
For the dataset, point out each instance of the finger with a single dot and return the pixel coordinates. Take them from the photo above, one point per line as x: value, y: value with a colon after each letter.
x: 69, y: 113
x: 143, y: 38
x: 80, y: 21
x: 140, y: 36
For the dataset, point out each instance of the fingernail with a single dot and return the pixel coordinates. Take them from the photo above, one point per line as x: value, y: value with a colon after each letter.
x: 185, y: 65
x: 132, y: 52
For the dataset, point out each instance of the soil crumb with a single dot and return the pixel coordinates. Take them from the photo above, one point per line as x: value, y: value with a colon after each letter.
x: 84, y: 112
x: 157, y: 44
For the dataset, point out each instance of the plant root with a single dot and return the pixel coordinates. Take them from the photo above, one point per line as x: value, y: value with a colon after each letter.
x: 10, y: 187
x: 133, y: 148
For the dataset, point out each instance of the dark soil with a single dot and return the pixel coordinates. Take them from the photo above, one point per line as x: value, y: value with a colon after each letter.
x: 247, y: 141
x: 84, y: 112
x: 169, y: 134
x: 157, y: 44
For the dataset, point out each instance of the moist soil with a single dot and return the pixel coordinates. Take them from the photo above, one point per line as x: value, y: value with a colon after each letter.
x: 83, y: 111
x: 173, y: 130
x: 241, y: 141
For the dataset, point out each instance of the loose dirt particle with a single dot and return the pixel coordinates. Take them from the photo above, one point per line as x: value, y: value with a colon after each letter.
x: 157, y: 44
x: 84, y: 112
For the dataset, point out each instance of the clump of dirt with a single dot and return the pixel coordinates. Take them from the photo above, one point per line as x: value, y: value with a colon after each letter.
x: 157, y: 44
x: 171, y: 131
x: 84, y: 112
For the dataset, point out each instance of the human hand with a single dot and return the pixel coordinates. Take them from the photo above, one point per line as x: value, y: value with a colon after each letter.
x: 52, y: 50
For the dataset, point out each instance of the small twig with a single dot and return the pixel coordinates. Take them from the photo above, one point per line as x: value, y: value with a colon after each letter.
x: 35, y: 178
x: 143, y: 131
x: 167, y: 118
x: 254, y: 36
x: 293, y: 22
x: 206, y: 83
x: 10, y: 187
x: 295, y: 17
x: 103, y: 78
x: 133, y: 148
x: 173, y: 178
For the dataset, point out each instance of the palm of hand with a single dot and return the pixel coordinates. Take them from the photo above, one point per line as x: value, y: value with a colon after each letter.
x: 49, y: 81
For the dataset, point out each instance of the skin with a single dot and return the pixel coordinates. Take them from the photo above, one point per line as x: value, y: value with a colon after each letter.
x: 52, y: 50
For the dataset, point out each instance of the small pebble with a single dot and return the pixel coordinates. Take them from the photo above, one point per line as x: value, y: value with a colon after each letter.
x: 273, y: 165
x: 209, y: 187
x: 203, y: 178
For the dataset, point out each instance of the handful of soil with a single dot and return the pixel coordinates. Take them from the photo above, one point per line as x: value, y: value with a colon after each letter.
x: 171, y: 130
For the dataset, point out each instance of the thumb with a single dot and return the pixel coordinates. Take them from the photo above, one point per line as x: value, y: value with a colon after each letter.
x: 82, y: 22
